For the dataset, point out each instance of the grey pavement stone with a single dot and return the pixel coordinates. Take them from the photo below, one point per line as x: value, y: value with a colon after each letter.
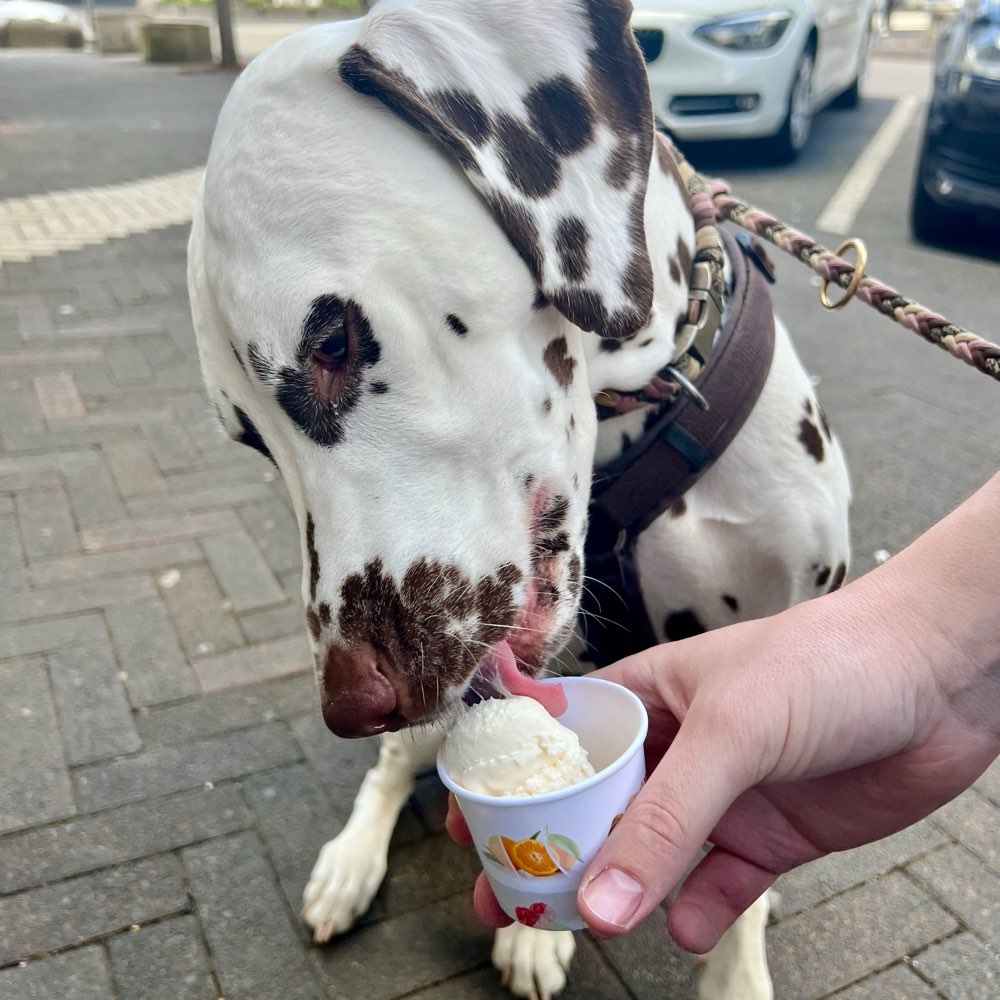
x: 96, y: 720
x: 972, y: 819
x: 156, y: 530
x: 273, y: 623
x: 11, y: 557
x: 87, y: 907
x: 255, y: 949
x: 47, y: 527
x: 67, y: 569
x: 251, y: 664
x: 171, y: 769
x: 80, y: 974
x: 442, y: 940
x: 36, y: 786
x: 272, y: 526
x: 163, y: 962
x: 91, y: 489
x: 426, y: 871
x: 58, y: 396
x: 988, y: 785
x: 125, y: 833
x: 897, y: 983
x: 149, y: 653
x: 241, y: 708
x: 224, y: 496
x: 844, y: 939
x: 70, y: 598
x: 962, y: 968
x: 134, y: 471
x: 128, y: 363
x: 19, y: 409
x: 28, y: 638
x: 204, y: 623
x: 806, y: 886
x: 245, y: 578
x: 173, y: 447
x: 966, y: 887
x: 236, y: 466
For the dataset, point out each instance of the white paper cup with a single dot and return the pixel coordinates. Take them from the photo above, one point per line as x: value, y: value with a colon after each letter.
x: 535, y: 848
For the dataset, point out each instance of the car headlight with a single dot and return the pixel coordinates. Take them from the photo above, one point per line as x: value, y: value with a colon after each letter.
x: 746, y: 32
x: 982, y: 50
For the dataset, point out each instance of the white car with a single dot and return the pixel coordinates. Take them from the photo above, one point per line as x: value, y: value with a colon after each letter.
x: 747, y: 69
x: 40, y: 20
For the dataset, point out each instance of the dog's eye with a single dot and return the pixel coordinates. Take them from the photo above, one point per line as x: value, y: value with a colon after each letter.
x: 331, y: 353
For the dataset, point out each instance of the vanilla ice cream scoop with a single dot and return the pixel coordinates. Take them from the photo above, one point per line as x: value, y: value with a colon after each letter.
x: 512, y: 746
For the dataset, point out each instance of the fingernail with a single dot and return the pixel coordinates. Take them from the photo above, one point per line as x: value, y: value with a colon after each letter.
x: 613, y: 896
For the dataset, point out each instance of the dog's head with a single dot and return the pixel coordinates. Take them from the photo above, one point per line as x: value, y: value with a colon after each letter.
x: 409, y: 225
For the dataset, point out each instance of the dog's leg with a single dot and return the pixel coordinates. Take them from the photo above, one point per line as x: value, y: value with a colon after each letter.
x: 350, y: 868
x: 737, y: 965
x: 533, y: 963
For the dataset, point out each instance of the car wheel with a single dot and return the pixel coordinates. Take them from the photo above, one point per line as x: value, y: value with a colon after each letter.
x: 794, y: 133
x: 930, y: 221
x: 851, y: 97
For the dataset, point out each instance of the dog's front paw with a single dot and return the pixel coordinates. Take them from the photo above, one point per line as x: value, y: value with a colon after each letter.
x: 533, y: 963
x: 343, y: 883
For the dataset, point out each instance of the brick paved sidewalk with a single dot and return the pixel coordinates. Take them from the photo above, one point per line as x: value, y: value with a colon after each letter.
x: 167, y: 778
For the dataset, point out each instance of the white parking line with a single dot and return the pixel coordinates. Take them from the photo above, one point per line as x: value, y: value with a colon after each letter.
x: 848, y: 200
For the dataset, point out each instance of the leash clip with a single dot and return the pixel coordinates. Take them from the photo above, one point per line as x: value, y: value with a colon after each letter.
x: 699, y: 333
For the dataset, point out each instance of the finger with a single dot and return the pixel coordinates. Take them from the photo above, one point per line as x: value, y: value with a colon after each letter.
x: 455, y: 824
x: 721, y: 887
x: 486, y: 906
x: 664, y: 827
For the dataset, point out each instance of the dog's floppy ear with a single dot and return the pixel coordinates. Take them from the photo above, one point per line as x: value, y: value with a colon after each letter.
x: 545, y: 105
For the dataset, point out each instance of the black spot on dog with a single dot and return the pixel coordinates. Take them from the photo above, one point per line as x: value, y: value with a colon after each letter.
x: 547, y: 404
x: 263, y: 367
x: 682, y: 625
x: 541, y: 301
x: 822, y: 576
x: 572, y: 241
x: 465, y: 113
x: 675, y: 271
x: 626, y: 441
x: 521, y: 231
x: 825, y: 424
x: 456, y: 324
x: 621, y: 164
x: 646, y: 342
x: 572, y: 422
x: 250, y: 436
x: 731, y: 602
x: 529, y: 164
x: 321, y: 389
x: 684, y: 258
x: 838, y: 577
x: 610, y: 346
x: 324, y: 613
x: 560, y: 114
x: 379, y: 388
x: 239, y: 360
x: 529, y: 481
x: 313, y: 556
x: 679, y: 507
x: 811, y: 440
x: 559, y: 361
x: 312, y: 621
x: 809, y: 407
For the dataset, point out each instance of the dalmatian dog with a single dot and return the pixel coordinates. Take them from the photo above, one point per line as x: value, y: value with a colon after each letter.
x: 425, y: 240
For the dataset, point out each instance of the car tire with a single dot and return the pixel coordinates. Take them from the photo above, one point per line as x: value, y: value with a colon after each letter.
x: 930, y: 221
x: 786, y: 144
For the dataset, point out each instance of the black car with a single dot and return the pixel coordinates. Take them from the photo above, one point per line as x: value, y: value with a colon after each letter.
x: 958, y: 170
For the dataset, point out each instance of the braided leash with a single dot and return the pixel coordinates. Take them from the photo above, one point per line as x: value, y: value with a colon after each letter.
x: 833, y: 269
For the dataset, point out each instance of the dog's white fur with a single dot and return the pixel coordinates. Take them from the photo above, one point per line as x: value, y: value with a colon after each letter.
x: 312, y: 188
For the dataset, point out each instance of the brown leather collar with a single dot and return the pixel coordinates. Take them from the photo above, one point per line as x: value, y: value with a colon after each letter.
x: 672, y: 454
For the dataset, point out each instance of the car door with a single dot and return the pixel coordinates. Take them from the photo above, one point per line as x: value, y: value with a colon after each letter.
x: 840, y: 25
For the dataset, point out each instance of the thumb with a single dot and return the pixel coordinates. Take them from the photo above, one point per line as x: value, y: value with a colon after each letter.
x: 664, y: 827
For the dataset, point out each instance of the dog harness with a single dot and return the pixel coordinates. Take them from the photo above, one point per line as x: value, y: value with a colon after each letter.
x: 699, y: 416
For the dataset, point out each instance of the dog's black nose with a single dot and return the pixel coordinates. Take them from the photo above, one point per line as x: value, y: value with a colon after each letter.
x: 358, y: 698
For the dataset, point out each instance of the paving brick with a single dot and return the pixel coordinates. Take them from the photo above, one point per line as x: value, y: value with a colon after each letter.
x: 7, y: 508
x: 196, y: 605
x: 806, y: 886
x: 442, y: 940
x: 255, y: 948
x: 897, y: 983
x: 243, y: 574
x: 128, y: 363
x: 156, y: 530
x: 71, y: 598
x: 252, y: 664
x: 272, y: 526
x: 47, y: 527
x: 231, y: 494
x: 90, y: 566
x: 80, y: 974
x: 36, y: 785
x: 28, y: 638
x: 170, y: 769
x: 150, y: 655
x: 173, y: 448
x: 971, y: 819
x: 240, y: 708
x: 80, y: 909
x: 91, y: 490
x: 19, y: 409
x: 125, y: 833
x: 134, y: 471
x: 163, y: 962
x: 96, y: 721
x: 961, y: 968
x: 273, y: 623
x: 843, y: 940
x: 58, y: 396
x: 295, y: 819
x: 11, y: 558
x: 965, y: 886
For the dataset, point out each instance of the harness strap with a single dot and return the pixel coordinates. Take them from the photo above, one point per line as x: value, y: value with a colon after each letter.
x: 648, y: 477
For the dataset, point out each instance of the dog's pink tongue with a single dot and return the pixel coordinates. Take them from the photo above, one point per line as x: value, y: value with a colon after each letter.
x: 501, y: 662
